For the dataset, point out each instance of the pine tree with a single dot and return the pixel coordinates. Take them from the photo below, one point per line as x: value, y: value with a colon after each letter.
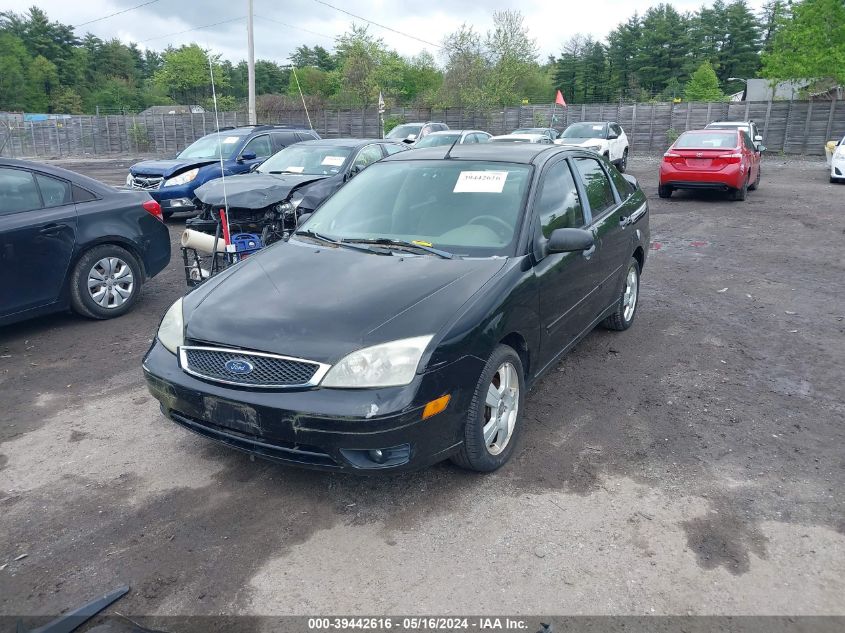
x: 704, y: 85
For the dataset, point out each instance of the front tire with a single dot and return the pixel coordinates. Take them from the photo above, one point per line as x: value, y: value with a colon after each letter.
x: 623, y: 164
x: 753, y: 187
x: 626, y: 306
x: 494, y: 420
x: 664, y: 191
x: 105, y: 283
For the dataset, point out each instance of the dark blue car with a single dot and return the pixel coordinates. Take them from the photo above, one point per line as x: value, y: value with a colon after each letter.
x: 172, y: 182
x: 67, y: 240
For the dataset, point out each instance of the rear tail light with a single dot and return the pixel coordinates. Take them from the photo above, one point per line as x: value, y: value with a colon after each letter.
x: 732, y: 158
x: 154, y: 209
x: 671, y: 154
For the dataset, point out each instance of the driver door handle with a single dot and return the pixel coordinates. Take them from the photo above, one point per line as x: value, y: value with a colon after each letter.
x: 589, y: 252
x: 50, y: 229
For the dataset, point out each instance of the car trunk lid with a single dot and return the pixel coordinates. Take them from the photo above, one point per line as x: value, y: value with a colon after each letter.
x: 703, y: 159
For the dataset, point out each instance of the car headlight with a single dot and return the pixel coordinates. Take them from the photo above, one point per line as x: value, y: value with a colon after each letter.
x: 129, y: 180
x: 171, y: 332
x: 387, y: 365
x: 183, y: 178
x: 594, y: 148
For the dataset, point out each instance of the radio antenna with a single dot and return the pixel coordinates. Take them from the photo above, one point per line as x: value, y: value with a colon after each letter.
x: 217, y: 126
x: 449, y: 151
x: 301, y: 96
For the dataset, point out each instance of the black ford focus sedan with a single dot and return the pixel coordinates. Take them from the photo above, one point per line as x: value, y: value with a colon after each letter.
x: 404, y: 321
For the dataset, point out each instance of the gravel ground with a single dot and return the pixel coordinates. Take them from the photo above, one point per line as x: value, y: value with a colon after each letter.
x: 691, y: 465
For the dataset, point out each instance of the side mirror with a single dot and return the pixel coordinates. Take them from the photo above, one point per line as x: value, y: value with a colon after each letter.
x: 247, y: 156
x: 612, y: 136
x: 569, y: 240
x: 761, y: 149
x: 355, y: 170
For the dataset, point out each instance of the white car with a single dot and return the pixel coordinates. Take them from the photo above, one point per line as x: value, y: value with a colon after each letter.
x: 603, y: 137
x: 521, y: 138
x: 837, y: 163
x: 745, y: 126
x: 447, y: 137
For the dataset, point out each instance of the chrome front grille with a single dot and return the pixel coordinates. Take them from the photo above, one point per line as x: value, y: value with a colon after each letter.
x: 146, y: 182
x: 250, y: 369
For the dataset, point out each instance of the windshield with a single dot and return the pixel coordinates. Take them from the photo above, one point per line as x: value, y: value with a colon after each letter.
x: 464, y: 207
x: 433, y: 140
x: 312, y: 160
x: 707, y: 140
x: 213, y: 146
x: 403, y: 131
x: 530, y: 130
x: 585, y: 130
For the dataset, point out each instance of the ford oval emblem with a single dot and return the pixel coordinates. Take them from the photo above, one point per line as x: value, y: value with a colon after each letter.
x: 239, y: 367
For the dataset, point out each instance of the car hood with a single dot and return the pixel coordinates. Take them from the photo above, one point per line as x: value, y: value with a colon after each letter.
x: 167, y: 168
x: 581, y: 141
x: 252, y: 191
x: 318, y: 303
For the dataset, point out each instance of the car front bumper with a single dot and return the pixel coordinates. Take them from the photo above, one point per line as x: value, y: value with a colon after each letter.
x: 326, y: 429
x: 837, y: 167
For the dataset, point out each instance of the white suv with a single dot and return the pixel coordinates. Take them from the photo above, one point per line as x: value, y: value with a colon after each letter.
x: 603, y: 137
x: 745, y: 126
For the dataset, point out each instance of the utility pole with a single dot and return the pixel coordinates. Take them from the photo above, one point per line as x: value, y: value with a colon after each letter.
x: 250, y: 64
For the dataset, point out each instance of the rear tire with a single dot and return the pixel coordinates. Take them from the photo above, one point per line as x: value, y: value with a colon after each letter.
x: 741, y: 193
x: 756, y: 183
x: 626, y: 306
x: 494, y: 422
x: 664, y: 191
x: 105, y: 283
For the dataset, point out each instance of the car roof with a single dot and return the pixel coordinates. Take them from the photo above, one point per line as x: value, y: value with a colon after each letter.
x: 592, y: 122
x: 730, y: 123
x: 707, y: 131
x: 453, y: 132
x: 83, y: 181
x: 348, y: 142
x: 524, y: 153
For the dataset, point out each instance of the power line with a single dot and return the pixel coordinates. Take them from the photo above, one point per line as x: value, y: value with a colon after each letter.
x: 382, y: 26
x: 196, y: 28
x: 111, y: 15
x: 299, y: 28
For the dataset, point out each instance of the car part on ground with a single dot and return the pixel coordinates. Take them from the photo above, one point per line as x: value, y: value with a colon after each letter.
x: 293, y: 182
x: 716, y: 159
x: 173, y: 182
x: 431, y: 258
x: 68, y: 241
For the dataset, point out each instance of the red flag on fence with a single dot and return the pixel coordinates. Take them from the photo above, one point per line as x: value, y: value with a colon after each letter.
x: 559, y: 99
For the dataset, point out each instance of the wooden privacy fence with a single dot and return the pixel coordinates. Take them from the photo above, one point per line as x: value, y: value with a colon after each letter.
x: 792, y: 127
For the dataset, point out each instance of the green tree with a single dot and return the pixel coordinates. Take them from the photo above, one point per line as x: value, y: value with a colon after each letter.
x: 14, y: 63
x: 466, y: 70
x: 664, y: 48
x: 740, y: 52
x: 512, y: 56
x: 53, y: 41
x: 809, y: 44
x: 184, y: 74
x: 42, y: 80
x: 623, y: 44
x: 704, y: 85
x: 67, y: 101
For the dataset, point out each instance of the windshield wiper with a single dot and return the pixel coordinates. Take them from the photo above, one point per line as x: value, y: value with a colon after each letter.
x: 283, y: 171
x: 330, y: 240
x: 385, y: 241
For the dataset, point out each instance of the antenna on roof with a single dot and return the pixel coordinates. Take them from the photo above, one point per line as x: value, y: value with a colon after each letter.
x: 449, y: 151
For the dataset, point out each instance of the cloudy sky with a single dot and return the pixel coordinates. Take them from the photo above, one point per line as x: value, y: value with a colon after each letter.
x: 282, y: 25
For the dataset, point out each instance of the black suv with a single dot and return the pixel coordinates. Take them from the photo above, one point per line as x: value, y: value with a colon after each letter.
x: 172, y: 182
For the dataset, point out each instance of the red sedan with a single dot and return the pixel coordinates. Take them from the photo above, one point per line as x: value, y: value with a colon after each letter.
x: 724, y: 160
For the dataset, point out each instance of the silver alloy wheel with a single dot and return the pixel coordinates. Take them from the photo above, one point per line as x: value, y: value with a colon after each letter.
x: 111, y: 282
x: 501, y: 407
x: 629, y: 299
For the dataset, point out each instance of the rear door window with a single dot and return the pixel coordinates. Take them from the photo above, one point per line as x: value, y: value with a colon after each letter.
x: 558, y: 205
x: 18, y: 191
x: 54, y: 191
x: 367, y: 156
x: 596, y: 184
x: 623, y: 187
x: 394, y: 148
x: 283, y: 139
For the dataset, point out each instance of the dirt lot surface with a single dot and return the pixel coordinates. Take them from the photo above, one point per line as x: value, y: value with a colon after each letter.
x: 693, y: 464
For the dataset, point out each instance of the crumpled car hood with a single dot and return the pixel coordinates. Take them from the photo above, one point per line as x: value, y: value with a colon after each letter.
x: 252, y: 191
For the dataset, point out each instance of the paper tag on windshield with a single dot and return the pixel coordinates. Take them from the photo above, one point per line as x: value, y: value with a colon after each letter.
x: 334, y: 161
x: 598, y: 127
x: 231, y: 139
x: 295, y: 170
x: 480, y: 182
